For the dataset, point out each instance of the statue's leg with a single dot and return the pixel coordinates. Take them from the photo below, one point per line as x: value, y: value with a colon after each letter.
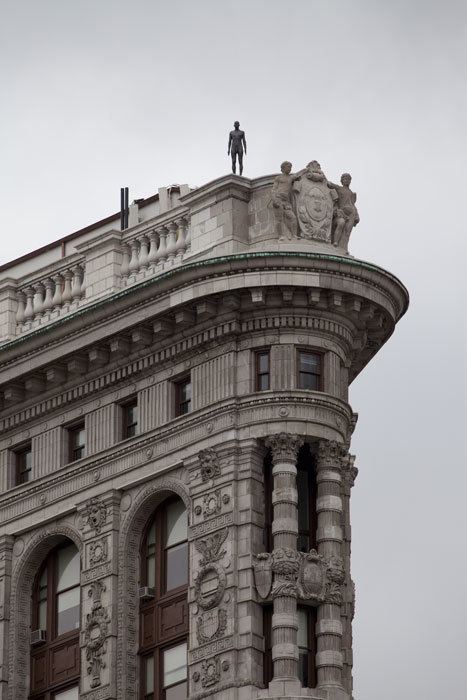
x: 240, y: 161
x: 234, y: 155
x: 338, y: 233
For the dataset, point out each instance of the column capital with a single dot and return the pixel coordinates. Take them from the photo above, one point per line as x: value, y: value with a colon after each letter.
x: 349, y: 470
x: 331, y: 454
x: 284, y: 446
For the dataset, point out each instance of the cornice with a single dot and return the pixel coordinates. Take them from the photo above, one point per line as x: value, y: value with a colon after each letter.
x: 228, y: 265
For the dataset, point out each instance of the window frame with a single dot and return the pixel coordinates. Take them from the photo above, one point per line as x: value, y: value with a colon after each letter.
x: 19, y: 470
x: 124, y: 423
x: 178, y: 384
x: 318, y: 354
x: 162, y: 599
x: 258, y: 374
x: 72, y: 430
x: 53, y: 640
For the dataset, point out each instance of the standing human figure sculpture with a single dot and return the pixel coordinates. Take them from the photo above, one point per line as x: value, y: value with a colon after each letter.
x: 346, y: 213
x: 281, y: 198
x: 237, y: 143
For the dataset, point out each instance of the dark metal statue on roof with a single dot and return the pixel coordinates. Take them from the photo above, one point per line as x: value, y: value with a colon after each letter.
x: 236, y: 144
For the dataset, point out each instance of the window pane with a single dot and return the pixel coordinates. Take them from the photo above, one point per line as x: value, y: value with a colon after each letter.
x: 263, y: 362
x: 68, y: 567
x: 309, y: 381
x: 175, y: 665
x: 149, y: 674
x: 70, y: 694
x: 303, y: 499
x: 42, y: 615
x: 309, y: 362
x: 176, y: 566
x: 303, y: 667
x: 151, y: 571
x: 68, y: 611
x: 177, y: 692
x: 263, y: 382
x: 302, y: 636
x: 177, y: 523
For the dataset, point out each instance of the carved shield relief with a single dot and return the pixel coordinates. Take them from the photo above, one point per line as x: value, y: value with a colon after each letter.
x: 312, y: 578
x: 263, y: 575
x: 314, y: 209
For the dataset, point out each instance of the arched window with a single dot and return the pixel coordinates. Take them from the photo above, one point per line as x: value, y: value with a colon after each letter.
x: 164, y: 606
x: 55, y: 626
x: 307, y: 524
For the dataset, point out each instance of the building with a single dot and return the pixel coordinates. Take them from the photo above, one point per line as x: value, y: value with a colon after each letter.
x: 169, y: 394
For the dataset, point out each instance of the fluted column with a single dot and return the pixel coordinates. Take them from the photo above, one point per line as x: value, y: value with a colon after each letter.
x: 329, y: 537
x: 349, y: 474
x: 284, y: 449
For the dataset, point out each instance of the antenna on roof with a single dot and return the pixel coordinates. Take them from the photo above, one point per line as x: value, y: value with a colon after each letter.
x: 124, y: 208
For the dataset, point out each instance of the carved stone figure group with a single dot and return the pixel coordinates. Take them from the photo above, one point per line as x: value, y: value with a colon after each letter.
x: 307, y: 205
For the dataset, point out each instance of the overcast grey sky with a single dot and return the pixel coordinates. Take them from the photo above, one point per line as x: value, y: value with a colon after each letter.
x: 101, y: 94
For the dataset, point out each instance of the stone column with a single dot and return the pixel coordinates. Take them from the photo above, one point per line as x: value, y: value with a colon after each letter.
x: 349, y: 474
x: 284, y: 449
x: 329, y: 538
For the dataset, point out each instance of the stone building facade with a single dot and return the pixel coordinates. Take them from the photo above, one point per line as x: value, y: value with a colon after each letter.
x: 174, y: 447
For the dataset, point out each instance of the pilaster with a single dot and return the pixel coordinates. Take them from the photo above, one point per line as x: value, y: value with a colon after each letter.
x: 6, y: 551
x: 99, y: 596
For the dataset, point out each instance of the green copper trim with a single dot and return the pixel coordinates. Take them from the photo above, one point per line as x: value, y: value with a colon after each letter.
x: 190, y: 266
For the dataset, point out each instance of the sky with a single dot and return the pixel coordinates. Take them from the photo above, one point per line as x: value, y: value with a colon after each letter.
x: 96, y: 95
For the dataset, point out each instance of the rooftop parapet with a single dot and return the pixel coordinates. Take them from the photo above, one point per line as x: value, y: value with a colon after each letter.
x: 230, y: 215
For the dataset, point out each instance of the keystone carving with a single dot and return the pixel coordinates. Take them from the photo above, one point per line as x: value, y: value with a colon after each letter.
x: 308, y: 576
x: 209, y: 462
x: 94, y: 515
x: 95, y: 634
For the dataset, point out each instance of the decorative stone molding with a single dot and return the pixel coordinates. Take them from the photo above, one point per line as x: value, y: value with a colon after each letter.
x: 211, y: 625
x: 98, y: 551
x: 95, y: 634
x: 209, y: 464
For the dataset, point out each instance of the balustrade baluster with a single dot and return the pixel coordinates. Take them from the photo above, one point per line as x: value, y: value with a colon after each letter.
x: 39, y: 300
x: 29, y: 310
x: 180, y: 246
x: 134, y: 264
x: 171, y: 242
x: 152, y: 249
x: 67, y: 295
x: 57, y: 298
x: 187, y: 235
x: 125, y: 268
x: 48, y: 301
x: 143, y: 258
x: 21, y: 297
x: 162, y: 250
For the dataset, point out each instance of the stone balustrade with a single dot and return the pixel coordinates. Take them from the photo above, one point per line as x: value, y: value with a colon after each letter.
x: 46, y: 299
x: 151, y: 252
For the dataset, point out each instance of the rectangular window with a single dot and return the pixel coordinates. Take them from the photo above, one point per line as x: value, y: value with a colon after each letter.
x: 309, y: 371
x: 306, y: 646
x: 183, y: 397
x: 262, y: 371
x: 148, y: 678
x: 130, y: 419
x: 174, y: 680
x: 23, y: 465
x: 70, y: 694
x: 76, y: 442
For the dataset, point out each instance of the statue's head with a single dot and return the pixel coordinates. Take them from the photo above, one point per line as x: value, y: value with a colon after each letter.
x: 236, y: 124
x: 286, y: 167
x: 346, y: 179
x: 314, y: 165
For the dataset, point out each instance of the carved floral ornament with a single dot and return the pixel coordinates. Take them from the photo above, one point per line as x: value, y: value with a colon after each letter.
x: 309, y: 576
x: 94, y: 515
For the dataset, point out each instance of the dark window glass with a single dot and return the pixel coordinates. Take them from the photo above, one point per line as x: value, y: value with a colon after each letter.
x: 309, y: 371
x: 76, y: 442
x: 130, y: 419
x: 23, y: 465
x: 306, y: 646
x: 306, y: 487
x: 183, y: 397
x: 262, y: 371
